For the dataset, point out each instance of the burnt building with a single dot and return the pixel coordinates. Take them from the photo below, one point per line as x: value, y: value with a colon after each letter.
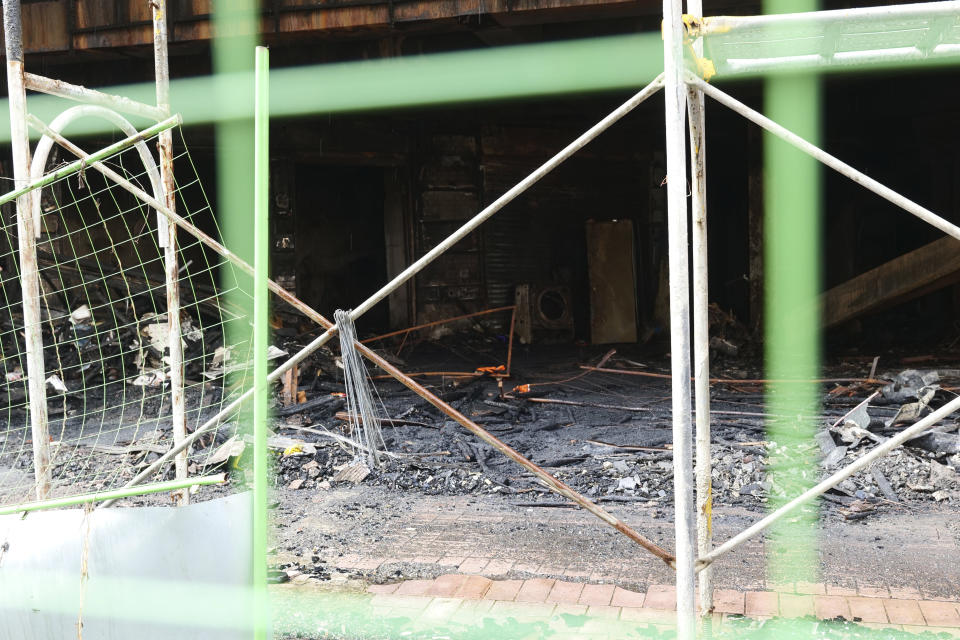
x: 359, y: 196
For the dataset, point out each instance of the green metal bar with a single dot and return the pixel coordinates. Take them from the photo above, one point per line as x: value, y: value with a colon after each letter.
x: 79, y: 165
x: 261, y: 301
x: 792, y: 210
x: 115, y: 494
x: 543, y: 69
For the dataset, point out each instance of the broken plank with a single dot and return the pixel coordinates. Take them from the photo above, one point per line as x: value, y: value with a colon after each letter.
x: 884, y: 484
x: 629, y: 447
x: 920, y: 271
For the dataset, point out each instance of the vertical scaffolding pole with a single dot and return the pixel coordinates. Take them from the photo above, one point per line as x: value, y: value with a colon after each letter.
x: 675, y: 93
x: 701, y: 324
x: 26, y: 236
x: 168, y: 240
x: 261, y: 299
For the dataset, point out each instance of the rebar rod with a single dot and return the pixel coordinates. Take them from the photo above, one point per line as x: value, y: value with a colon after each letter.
x: 684, y: 521
x: 859, y: 464
x: 701, y: 325
x: 831, y: 161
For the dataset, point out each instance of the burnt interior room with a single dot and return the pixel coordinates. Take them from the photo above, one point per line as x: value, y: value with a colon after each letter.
x: 409, y: 178
x: 544, y: 335
x: 357, y: 197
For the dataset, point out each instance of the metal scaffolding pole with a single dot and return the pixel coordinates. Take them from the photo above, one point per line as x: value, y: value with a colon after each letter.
x: 701, y: 325
x: 675, y: 93
x: 27, y: 232
x: 76, y: 92
x: 831, y: 17
x: 819, y: 154
x: 261, y: 337
x: 168, y: 240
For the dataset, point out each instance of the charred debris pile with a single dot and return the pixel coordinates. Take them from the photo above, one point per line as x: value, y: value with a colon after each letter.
x: 602, y: 424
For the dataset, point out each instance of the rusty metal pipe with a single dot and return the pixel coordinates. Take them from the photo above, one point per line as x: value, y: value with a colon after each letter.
x: 426, y: 325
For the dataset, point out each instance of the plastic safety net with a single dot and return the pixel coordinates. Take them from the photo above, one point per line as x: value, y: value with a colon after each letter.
x: 103, y: 305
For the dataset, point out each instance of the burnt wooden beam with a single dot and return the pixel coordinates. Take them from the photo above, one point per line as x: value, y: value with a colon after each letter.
x: 921, y: 271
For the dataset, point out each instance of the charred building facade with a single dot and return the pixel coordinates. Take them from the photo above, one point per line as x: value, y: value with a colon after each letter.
x: 357, y: 197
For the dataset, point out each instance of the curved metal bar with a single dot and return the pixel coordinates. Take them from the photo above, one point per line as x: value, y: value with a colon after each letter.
x: 95, y: 111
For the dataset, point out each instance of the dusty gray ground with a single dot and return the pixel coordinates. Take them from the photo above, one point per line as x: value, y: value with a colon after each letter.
x: 388, y: 535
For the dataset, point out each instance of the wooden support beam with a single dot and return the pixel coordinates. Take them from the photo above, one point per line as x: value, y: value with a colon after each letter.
x: 921, y: 271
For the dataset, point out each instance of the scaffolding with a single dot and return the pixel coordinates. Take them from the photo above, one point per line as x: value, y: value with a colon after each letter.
x: 27, y: 175
x: 696, y: 49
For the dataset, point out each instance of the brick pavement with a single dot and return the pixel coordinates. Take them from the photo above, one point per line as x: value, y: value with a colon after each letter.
x: 465, y: 598
x: 899, y: 555
x: 467, y: 558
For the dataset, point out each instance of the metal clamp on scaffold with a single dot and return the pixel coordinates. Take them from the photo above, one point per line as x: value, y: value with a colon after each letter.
x: 692, y: 29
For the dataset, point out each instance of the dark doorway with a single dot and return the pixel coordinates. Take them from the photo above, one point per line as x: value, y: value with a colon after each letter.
x: 341, y: 254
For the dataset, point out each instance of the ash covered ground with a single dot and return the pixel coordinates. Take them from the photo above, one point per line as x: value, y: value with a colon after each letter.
x: 605, y: 433
x: 608, y: 435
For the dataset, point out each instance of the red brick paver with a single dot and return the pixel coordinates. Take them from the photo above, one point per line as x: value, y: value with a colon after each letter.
x: 474, y: 588
x: 867, y: 609
x: 728, y: 601
x: 625, y: 598
x: 451, y: 561
x: 905, y: 593
x: 761, y: 603
x: 567, y: 592
x: 873, y: 592
x: 504, y: 590
x: 446, y: 585
x: 596, y: 594
x: 535, y: 590
x: 414, y: 587
x: 497, y: 568
x: 794, y: 605
x: 451, y: 594
x: 661, y: 596
x: 830, y: 607
x: 903, y: 611
x: 942, y: 614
